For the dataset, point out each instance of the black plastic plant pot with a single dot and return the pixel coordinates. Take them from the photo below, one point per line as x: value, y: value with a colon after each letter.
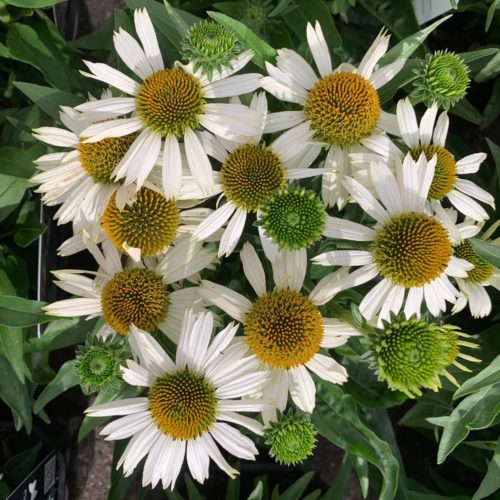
x: 47, y: 481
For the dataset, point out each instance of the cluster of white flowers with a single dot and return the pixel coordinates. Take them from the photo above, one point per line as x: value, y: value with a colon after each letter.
x: 140, y: 166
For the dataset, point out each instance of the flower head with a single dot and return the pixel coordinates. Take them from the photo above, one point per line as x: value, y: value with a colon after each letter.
x: 138, y: 294
x: 409, y: 247
x: 340, y: 108
x: 187, y: 404
x: 292, y: 437
x: 411, y: 354
x: 168, y: 107
x: 443, y: 78
x: 283, y: 327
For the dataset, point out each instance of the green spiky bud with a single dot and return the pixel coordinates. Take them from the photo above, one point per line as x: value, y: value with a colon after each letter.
x: 443, y: 78
x: 412, y: 354
x: 255, y: 14
x: 293, y: 218
x: 292, y: 437
x: 210, y: 46
x: 98, y: 365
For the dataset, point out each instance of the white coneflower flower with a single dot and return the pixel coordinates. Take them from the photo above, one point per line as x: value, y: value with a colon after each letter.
x: 473, y: 287
x: 79, y: 180
x: 409, y: 248
x: 341, y: 107
x: 284, y: 327
x: 168, y: 105
x: 140, y: 295
x: 251, y: 172
x: 429, y: 137
x: 188, y: 402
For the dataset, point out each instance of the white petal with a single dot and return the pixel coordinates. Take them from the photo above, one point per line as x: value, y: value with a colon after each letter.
x: 327, y: 368
x: 289, y: 269
x: 217, y: 457
x: 197, y: 459
x: 427, y: 125
x: 467, y: 205
x: 374, y: 299
x: 458, y: 267
x: 386, y: 187
x: 135, y: 374
x: 252, y: 267
x: 366, y: 200
x: 120, y: 407
x: 111, y: 128
x: 137, y: 448
x: 276, y: 122
x: 219, y: 343
x: 388, y: 123
x: 140, y: 159
x: 233, y: 86
x: 343, y: 229
x: 172, y: 168
x: 233, y: 303
x: 233, y: 441
x: 232, y: 233
x: 279, y: 90
x: 241, y: 420
x: 198, y: 161
x: 214, y: 221
x: 377, y: 49
x: 407, y: 122
x: 56, y: 136
x: 441, y: 130
x: 296, y: 67
x: 337, y: 332
x: 114, y: 105
x: 131, y: 53
x: 392, y: 304
x: 413, y: 302
x: 344, y: 258
x: 147, y: 35
x: 126, y: 426
x: 468, y: 187
x: 236, y: 64
x: 74, y: 307
x: 385, y: 74
x: 319, y: 49
x: 470, y: 164
x: 302, y: 388
x: 112, y: 77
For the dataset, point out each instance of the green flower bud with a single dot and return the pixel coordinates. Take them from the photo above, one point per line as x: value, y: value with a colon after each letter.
x: 443, y: 78
x: 293, y: 218
x: 292, y: 438
x: 210, y: 46
x: 98, y: 365
x: 412, y: 354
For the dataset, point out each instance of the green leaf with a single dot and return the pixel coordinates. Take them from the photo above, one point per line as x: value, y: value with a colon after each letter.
x: 476, y: 411
x: 405, y: 48
x: 490, y: 69
x: 17, y: 311
x: 33, y: 4
x: 297, y: 488
x: 179, y: 22
x: 19, y: 466
x: 25, y: 44
x: 464, y: 109
x: 192, y: 490
x: 490, y: 375
x: 495, y: 152
x: 263, y: 51
x: 404, y: 77
x: 66, y: 378
x: 61, y: 333
x: 15, y: 394
x: 338, y: 485
x: 12, y: 191
x: 48, y: 99
x: 491, y: 481
x: 491, y: 12
x: 473, y: 55
x: 12, y: 347
x: 316, y: 10
x: 16, y: 162
x: 487, y: 251
x: 257, y: 492
x: 119, y: 483
x: 352, y: 435
x: 398, y: 16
